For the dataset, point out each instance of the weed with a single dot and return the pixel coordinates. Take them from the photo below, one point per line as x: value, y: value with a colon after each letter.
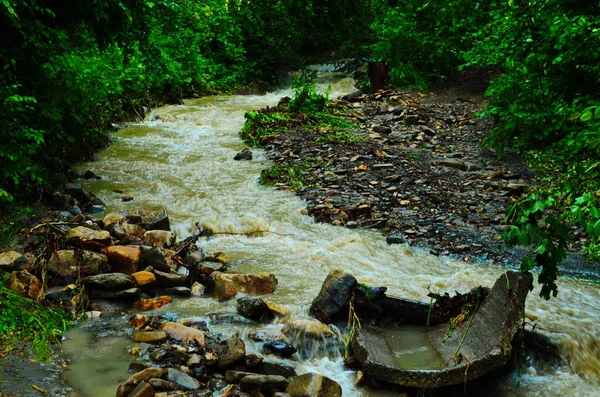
x: 27, y: 320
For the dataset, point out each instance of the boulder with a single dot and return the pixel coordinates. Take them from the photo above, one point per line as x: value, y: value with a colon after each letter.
x: 152, y: 256
x: 483, y: 342
x: 279, y: 348
x: 152, y: 303
x: 198, y: 289
x: 229, y: 352
x: 87, y: 235
x: 261, y: 310
x: 114, y: 217
x: 25, y: 284
x: 155, y: 218
x: 68, y: 264
x: 228, y: 285
x: 109, y: 281
x: 11, y: 260
x: 155, y: 337
x: 144, y: 279
x: 245, y: 154
x: 125, y: 294
x: 167, y: 280
x: 81, y: 194
x: 130, y: 229
x: 276, y: 366
x: 125, y: 388
x: 185, y: 381
x: 313, y: 385
x: 124, y: 259
x: 159, y: 238
x: 183, y: 333
x: 334, y: 297
x: 266, y: 383
x: 312, y: 338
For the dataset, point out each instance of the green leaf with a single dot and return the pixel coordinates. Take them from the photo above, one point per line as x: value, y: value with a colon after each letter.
x: 585, y: 116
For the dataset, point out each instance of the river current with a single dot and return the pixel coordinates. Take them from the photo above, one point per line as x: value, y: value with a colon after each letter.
x: 182, y: 158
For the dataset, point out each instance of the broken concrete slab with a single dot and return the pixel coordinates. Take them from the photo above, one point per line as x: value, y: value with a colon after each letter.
x: 430, y: 359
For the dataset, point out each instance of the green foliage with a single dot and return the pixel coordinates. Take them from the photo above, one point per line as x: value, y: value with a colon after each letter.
x: 27, y: 320
x: 260, y: 124
x: 292, y: 175
x: 423, y: 41
x: 71, y: 68
x: 306, y: 98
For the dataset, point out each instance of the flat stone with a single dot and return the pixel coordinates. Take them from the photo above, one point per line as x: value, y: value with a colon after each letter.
x: 110, y: 281
x: 144, y: 279
x: 126, y: 294
x: 183, y: 333
x: 182, y: 379
x: 313, y: 385
x: 85, y: 234
x: 67, y: 263
x: 179, y: 291
x: 150, y: 337
x: 459, y: 165
x: 276, y: 366
x: 167, y: 280
x: 230, y: 352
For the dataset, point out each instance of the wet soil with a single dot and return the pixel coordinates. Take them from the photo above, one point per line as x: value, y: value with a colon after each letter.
x: 21, y: 375
x: 419, y: 172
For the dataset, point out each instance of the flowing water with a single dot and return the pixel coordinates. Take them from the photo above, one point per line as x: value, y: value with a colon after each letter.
x: 184, y: 160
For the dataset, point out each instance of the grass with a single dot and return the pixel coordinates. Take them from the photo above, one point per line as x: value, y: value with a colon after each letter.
x: 23, y: 319
x: 291, y: 174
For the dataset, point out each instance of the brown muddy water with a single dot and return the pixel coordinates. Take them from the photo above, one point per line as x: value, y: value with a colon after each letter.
x: 182, y: 157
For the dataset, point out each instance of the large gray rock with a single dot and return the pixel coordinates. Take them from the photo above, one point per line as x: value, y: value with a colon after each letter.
x: 166, y: 280
x: 229, y: 352
x: 66, y: 263
x: 483, y: 341
x: 334, y: 296
x: 182, y: 379
x: 110, y: 281
x: 125, y: 294
x: 313, y: 385
x: 155, y: 218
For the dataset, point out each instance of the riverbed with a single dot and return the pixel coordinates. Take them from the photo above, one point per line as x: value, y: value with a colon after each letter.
x: 182, y: 157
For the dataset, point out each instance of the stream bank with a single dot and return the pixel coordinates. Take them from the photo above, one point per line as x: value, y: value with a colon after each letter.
x: 184, y: 160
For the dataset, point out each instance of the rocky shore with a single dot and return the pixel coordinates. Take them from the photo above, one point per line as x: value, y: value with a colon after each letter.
x: 72, y: 260
x: 413, y: 167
